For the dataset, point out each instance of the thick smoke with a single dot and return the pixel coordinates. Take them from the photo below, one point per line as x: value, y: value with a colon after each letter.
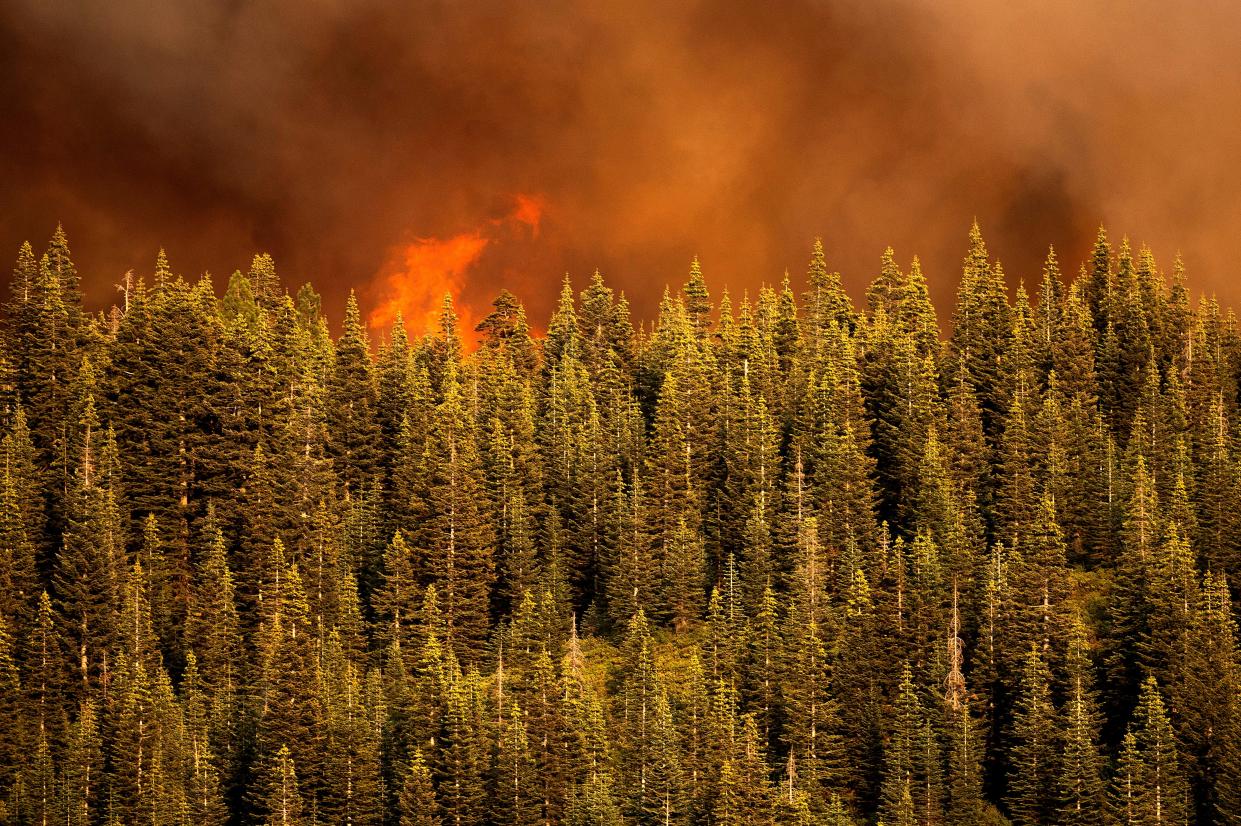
x: 335, y: 133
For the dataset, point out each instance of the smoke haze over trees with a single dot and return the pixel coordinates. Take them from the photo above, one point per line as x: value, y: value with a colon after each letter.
x: 332, y: 133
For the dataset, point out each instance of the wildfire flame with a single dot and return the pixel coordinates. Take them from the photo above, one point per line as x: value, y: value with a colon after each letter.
x: 416, y: 276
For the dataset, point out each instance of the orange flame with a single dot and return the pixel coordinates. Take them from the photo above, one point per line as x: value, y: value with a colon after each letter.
x: 416, y: 276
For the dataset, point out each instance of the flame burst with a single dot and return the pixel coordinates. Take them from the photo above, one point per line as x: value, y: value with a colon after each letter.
x: 416, y: 276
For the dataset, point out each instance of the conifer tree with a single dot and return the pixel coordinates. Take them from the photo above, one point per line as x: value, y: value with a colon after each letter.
x: 86, y: 577
x: 1203, y: 695
x: 281, y: 802
x: 461, y: 768
x: 135, y: 731
x: 638, y: 692
x: 455, y: 541
x: 83, y: 769
x: 963, y: 781
x: 1164, y: 793
x: 683, y: 576
x: 981, y: 331
x: 1126, y: 799
x: 351, y: 781
x: 812, y: 730
x: 351, y: 402
x: 396, y: 602
x: 1080, y: 783
x: 204, y: 800
x: 290, y: 715
x: 827, y: 304
x: 417, y: 803
x: 1031, y: 794
x: 408, y: 543
x: 911, y: 791
x: 21, y: 523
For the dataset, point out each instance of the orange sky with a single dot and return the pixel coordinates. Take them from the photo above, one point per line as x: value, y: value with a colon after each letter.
x: 506, y: 143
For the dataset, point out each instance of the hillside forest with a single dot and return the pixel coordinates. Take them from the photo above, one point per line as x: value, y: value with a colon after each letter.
x: 771, y: 559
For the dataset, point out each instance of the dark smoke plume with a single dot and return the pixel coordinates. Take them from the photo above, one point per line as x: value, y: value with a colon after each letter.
x: 336, y: 133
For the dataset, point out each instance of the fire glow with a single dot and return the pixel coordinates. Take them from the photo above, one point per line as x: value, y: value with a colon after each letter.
x: 416, y: 276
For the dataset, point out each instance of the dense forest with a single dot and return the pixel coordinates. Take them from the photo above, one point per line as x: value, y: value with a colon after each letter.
x: 781, y: 560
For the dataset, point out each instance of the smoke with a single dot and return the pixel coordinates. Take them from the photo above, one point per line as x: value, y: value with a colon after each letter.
x: 346, y: 137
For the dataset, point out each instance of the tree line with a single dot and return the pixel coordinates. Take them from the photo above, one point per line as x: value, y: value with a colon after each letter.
x: 776, y: 560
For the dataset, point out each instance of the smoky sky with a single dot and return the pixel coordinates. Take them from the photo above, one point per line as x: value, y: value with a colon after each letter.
x: 330, y: 133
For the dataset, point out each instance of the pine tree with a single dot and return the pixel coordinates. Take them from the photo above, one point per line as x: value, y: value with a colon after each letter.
x: 21, y: 523
x: 1080, y: 783
x: 744, y: 795
x: 632, y: 579
x: 638, y: 692
x: 827, y: 304
x: 1034, y: 763
x: 351, y: 779
x: 281, y: 802
x: 461, y: 767
x: 683, y: 576
x: 417, y: 803
x: 133, y: 773
x: 86, y: 577
x: 455, y: 541
x: 396, y: 602
x: 665, y: 802
x: 963, y: 786
x: 212, y: 624
x: 812, y: 730
x: 1205, y: 701
x: 981, y: 331
x: 911, y: 790
x: 291, y: 716
x: 1127, y: 796
x: 12, y: 727
x: 83, y: 769
x: 697, y: 300
x: 513, y: 783
x: 204, y: 799
x: 351, y: 402
x: 1165, y: 794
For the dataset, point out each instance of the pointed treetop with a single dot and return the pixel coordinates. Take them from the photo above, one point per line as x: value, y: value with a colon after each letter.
x: 163, y: 272
x: 977, y: 247
x: 355, y: 330
x: 697, y: 299
x: 817, y: 273
x: 265, y: 282
x: 25, y: 271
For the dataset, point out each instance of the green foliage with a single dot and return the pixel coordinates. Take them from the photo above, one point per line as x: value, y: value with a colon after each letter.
x: 769, y: 561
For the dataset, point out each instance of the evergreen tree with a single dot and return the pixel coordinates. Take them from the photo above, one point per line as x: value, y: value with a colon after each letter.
x: 912, y: 787
x: 417, y: 804
x: 1080, y: 783
x: 1203, y: 695
x: 351, y: 402
x: 1151, y: 764
x: 1035, y: 735
x: 455, y: 541
x: 981, y: 331
x: 86, y: 576
x: 281, y: 802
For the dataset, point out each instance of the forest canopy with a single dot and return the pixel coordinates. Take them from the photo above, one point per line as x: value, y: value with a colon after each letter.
x: 769, y: 559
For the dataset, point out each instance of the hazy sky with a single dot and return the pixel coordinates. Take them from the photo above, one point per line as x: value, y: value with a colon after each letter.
x: 337, y: 133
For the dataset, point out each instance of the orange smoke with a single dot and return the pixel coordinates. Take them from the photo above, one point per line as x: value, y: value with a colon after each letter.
x: 416, y: 276
x: 529, y: 211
